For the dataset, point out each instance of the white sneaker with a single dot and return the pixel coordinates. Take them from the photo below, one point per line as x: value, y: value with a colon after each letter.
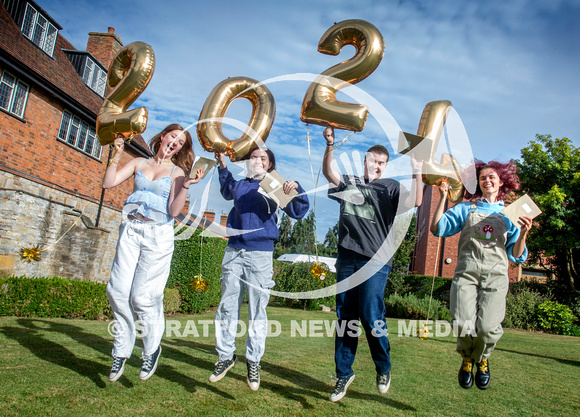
x: 253, y: 375
x: 383, y: 382
x: 340, y: 388
x: 149, y: 364
x: 117, y: 368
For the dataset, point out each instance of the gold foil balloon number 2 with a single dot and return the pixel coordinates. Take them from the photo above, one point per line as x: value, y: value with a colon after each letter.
x: 128, y: 75
x: 320, y: 105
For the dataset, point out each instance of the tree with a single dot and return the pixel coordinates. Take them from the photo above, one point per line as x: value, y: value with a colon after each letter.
x: 331, y: 241
x: 284, y: 230
x: 550, y: 173
x: 302, y: 238
x: 401, y: 260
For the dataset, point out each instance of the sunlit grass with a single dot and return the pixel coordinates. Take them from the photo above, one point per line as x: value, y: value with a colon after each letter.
x: 61, y: 367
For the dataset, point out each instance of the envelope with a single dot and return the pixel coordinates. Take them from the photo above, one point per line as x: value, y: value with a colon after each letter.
x: 523, y: 206
x: 204, y: 163
x: 273, y: 184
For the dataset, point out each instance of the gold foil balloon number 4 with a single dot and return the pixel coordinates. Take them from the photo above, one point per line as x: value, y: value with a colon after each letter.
x: 128, y: 76
x: 209, y: 128
x: 320, y: 105
x: 448, y: 169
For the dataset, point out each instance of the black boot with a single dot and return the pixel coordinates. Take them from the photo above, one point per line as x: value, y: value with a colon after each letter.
x: 482, y: 376
x: 465, y: 375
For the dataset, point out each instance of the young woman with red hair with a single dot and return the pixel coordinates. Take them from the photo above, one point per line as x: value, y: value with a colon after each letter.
x: 488, y: 240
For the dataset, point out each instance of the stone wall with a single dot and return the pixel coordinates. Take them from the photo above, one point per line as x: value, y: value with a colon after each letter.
x: 34, y: 214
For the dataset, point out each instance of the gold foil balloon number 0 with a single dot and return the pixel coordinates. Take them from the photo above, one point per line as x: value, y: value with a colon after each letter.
x: 129, y: 74
x: 209, y: 128
x: 320, y: 105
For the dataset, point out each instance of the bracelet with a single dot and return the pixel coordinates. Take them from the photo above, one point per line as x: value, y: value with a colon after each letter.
x: 330, y: 144
x: 183, y: 186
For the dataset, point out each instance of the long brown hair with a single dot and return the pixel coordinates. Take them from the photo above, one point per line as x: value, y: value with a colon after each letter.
x: 184, y: 158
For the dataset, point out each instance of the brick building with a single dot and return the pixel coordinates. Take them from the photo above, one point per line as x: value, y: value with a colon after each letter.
x: 51, y: 164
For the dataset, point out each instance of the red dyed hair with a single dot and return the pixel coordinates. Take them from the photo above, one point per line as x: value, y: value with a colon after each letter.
x: 506, y: 173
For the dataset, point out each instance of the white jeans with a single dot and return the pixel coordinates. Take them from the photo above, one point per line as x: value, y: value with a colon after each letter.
x: 135, y: 290
x: 252, y: 271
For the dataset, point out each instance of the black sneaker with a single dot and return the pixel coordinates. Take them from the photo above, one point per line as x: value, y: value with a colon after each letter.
x: 383, y: 382
x: 222, y: 368
x: 482, y: 376
x: 117, y: 368
x: 253, y: 375
x: 340, y: 388
x: 149, y: 364
x: 465, y: 375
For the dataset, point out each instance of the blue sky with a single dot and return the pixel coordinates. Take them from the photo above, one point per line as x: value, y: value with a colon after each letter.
x: 509, y: 68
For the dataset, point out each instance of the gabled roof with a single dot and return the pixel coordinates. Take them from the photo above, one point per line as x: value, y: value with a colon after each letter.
x: 53, y: 75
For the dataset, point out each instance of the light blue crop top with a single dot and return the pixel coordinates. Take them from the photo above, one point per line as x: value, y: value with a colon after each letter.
x: 150, y: 198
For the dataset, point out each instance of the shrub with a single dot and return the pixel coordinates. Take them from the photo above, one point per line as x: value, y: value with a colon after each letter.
x: 296, y: 277
x: 410, y: 307
x: 171, y: 300
x: 53, y: 297
x: 521, y: 308
x: 420, y: 286
x: 556, y: 317
x: 185, y: 265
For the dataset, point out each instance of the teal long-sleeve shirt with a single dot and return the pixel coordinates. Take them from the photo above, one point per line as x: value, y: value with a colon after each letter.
x: 453, y: 220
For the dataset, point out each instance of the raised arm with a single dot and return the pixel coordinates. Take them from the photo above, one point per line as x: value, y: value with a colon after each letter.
x: 415, y: 197
x: 443, y: 186
x: 113, y: 175
x: 332, y: 176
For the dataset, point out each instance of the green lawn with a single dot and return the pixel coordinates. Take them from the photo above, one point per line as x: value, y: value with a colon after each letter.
x: 60, y: 367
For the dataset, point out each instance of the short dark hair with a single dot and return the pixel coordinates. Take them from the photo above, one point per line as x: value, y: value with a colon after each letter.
x: 272, y: 159
x: 380, y: 149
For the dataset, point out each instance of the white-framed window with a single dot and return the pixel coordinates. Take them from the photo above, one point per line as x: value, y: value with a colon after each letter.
x: 39, y: 30
x: 13, y: 94
x: 95, y: 77
x: 79, y: 134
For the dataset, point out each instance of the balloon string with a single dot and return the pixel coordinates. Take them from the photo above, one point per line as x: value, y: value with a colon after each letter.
x: 200, y: 254
x: 433, y: 282
x: 309, y: 139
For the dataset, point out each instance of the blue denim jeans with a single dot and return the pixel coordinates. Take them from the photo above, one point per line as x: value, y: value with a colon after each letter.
x: 364, y: 302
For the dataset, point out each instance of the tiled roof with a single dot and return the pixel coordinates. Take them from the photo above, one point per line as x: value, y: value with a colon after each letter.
x: 55, y: 73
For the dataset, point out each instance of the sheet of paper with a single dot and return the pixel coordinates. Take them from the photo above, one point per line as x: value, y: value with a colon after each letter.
x: 523, y: 206
x: 273, y: 184
x: 416, y: 146
x: 204, y: 163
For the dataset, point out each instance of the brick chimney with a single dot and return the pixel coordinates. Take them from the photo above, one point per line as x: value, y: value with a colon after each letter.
x: 224, y: 220
x: 104, y: 46
x: 209, y: 215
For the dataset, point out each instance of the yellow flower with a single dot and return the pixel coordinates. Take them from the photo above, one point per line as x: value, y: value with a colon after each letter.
x: 30, y: 254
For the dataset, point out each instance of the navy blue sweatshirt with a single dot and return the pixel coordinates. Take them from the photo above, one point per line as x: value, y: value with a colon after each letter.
x: 255, y: 211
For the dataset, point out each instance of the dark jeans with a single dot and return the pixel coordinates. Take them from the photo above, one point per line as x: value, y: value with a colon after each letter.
x: 364, y: 302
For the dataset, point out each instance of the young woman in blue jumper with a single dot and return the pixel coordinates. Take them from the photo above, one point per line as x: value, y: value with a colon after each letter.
x: 488, y: 240
x: 145, y: 247
x: 247, y: 263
